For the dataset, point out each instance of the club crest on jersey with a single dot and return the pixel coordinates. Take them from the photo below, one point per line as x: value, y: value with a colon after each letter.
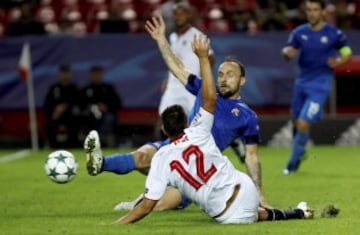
x: 235, y: 112
x: 324, y: 39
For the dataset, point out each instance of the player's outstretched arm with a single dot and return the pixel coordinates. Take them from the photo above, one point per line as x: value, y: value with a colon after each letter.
x: 200, y: 46
x: 156, y: 28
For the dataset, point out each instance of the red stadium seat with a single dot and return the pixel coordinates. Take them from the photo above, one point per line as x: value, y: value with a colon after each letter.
x: 2, y: 29
x: 46, y: 14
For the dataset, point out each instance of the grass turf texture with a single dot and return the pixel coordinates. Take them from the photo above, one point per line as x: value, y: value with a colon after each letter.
x: 32, y: 204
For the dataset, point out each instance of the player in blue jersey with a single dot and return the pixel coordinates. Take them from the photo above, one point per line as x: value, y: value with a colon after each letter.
x: 321, y: 48
x: 233, y: 119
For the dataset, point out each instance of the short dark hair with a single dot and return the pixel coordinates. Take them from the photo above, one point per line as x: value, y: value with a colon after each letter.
x: 182, y: 5
x: 235, y: 60
x: 320, y: 2
x: 174, y: 120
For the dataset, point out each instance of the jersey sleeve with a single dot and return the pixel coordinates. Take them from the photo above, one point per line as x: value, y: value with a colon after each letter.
x: 157, y: 179
x: 193, y: 84
x: 251, y: 134
x: 293, y: 40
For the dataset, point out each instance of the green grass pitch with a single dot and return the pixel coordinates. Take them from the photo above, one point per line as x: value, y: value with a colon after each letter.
x: 32, y: 204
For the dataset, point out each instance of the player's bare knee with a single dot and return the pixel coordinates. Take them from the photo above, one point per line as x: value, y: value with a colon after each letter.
x: 142, y: 160
x: 303, y: 126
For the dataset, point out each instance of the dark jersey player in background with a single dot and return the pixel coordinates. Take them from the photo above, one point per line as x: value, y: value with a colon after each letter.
x: 322, y: 48
x: 62, y: 111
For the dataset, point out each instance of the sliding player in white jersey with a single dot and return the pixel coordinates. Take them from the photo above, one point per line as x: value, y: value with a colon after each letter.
x: 233, y: 119
x: 193, y: 164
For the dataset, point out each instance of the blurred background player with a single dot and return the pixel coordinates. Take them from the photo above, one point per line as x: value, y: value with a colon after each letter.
x: 180, y: 41
x: 62, y: 111
x: 319, y: 45
x: 100, y: 104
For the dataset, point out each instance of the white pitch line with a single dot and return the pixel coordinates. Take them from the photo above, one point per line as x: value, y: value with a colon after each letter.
x: 15, y: 156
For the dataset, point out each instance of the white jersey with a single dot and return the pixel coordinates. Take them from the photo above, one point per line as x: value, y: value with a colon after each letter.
x: 194, y: 165
x: 175, y: 92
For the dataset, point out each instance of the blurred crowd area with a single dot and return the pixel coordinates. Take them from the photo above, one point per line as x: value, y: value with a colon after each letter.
x: 81, y: 17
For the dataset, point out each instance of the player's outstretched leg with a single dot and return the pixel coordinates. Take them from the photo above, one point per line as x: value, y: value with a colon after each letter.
x: 140, y: 159
x: 119, y: 163
x: 302, y: 211
x: 96, y: 163
x: 94, y: 158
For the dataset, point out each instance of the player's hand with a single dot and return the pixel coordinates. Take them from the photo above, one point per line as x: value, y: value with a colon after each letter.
x: 288, y: 52
x: 200, y: 46
x: 59, y: 110
x: 332, y: 62
x: 156, y: 27
x: 103, y: 107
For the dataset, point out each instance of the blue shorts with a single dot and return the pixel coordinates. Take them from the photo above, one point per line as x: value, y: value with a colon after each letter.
x: 185, y: 202
x: 308, y: 104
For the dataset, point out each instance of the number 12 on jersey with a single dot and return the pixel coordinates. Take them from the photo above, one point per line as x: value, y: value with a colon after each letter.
x: 195, y: 151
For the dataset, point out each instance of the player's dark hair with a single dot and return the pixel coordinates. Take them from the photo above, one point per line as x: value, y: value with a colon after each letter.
x: 183, y: 5
x: 235, y: 60
x: 320, y: 2
x: 174, y: 120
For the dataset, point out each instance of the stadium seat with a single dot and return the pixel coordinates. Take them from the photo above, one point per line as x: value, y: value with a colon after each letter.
x: 2, y: 29
x: 215, y: 22
x: 52, y: 28
x: 79, y: 28
x: 46, y: 14
x: 14, y: 14
x: 71, y: 11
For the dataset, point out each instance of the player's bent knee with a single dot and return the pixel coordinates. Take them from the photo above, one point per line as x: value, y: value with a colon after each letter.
x: 303, y: 126
x: 142, y: 160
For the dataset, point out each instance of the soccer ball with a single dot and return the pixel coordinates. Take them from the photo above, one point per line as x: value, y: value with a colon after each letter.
x: 61, y: 166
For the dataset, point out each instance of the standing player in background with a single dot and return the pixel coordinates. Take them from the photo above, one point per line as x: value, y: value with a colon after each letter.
x: 319, y: 45
x: 193, y: 164
x: 233, y: 119
x: 180, y: 41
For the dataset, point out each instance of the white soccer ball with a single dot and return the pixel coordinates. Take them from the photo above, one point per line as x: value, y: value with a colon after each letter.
x: 61, y: 166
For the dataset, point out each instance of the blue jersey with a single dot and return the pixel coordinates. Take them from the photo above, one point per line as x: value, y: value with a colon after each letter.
x: 232, y: 118
x: 315, y: 49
